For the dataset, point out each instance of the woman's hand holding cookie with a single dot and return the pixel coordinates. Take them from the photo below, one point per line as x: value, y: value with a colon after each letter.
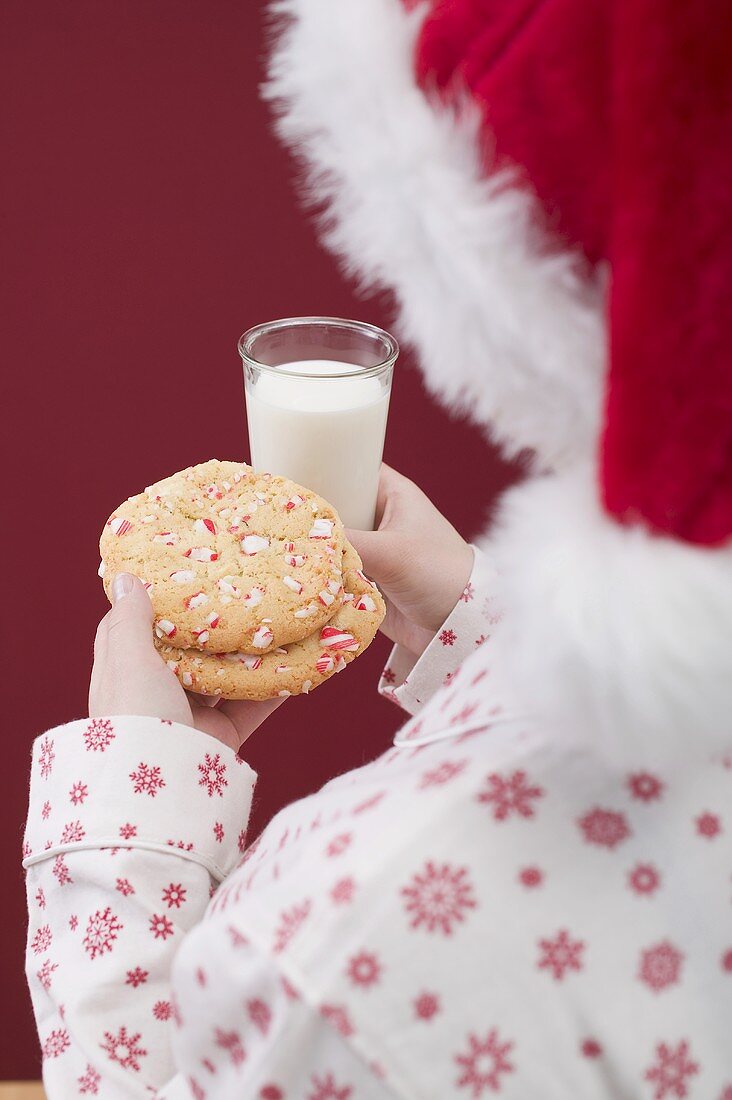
x: 417, y: 558
x: 129, y: 676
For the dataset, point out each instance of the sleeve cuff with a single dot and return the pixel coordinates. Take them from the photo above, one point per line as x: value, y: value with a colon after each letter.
x: 410, y: 681
x: 134, y: 782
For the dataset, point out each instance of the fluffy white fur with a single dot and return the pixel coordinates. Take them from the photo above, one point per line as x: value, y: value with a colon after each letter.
x: 504, y: 328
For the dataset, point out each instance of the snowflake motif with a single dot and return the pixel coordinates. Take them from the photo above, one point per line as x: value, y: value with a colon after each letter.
x: 271, y: 1092
x: 57, y: 1042
x: 260, y: 1014
x: 591, y: 1048
x: 218, y: 831
x: 231, y: 1041
x: 481, y: 640
x: 464, y: 714
x: 183, y: 845
x: 72, y: 833
x: 41, y: 898
x: 101, y: 932
x: 490, y: 610
x: 197, y: 1090
x: 388, y: 676
x: 670, y: 1072
x: 213, y: 775
x: 708, y: 825
x: 727, y: 961
x: 42, y: 940
x: 338, y: 844
x: 147, y: 779
x: 241, y: 843
x: 369, y: 803
x: 364, y: 970
x: 337, y: 1016
x: 644, y: 879
x: 73, y: 922
x: 44, y: 974
x: 174, y: 895
x: 160, y: 926
x: 123, y: 1048
x: 201, y: 977
x: 46, y: 810
x: 443, y: 773
x: 136, y: 977
x: 79, y: 791
x: 237, y: 939
x: 468, y: 593
x: 343, y: 890
x: 660, y: 966
x: 448, y: 637
x: 426, y: 1006
x: 61, y: 871
x: 127, y: 831
x: 89, y: 1081
x: 125, y: 887
x: 645, y: 787
x: 512, y: 794
x: 439, y: 897
x: 326, y: 1089
x: 531, y: 877
x: 560, y: 955
x: 606, y: 828
x: 290, y: 921
x: 98, y: 735
x: 46, y: 757
x: 485, y: 1062
x: 162, y: 1010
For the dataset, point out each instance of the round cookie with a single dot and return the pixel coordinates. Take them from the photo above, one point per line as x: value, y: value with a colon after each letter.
x: 292, y: 669
x: 232, y: 560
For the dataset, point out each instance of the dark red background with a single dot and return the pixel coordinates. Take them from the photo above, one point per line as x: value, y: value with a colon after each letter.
x: 149, y: 217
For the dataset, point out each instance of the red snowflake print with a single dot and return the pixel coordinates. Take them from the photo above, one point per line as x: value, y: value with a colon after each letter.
x: 127, y: 831
x: 201, y: 977
x: 44, y: 974
x: 443, y: 773
x: 468, y: 593
x: 218, y: 831
x: 271, y: 1092
x: 98, y: 735
x: 531, y: 877
x: 645, y: 787
x: 73, y: 922
x: 72, y: 833
x: 136, y: 977
x: 644, y: 879
x: 325, y: 1088
x: 46, y: 810
x: 174, y: 895
x: 147, y: 779
x: 483, y: 1066
x: 727, y: 961
x: 448, y: 637
x: 290, y: 921
x: 591, y: 1048
x: 124, y: 1049
x: 197, y: 1090
x: 184, y: 845
x: 79, y: 791
x: 337, y: 1016
x: 260, y: 1014
x: 369, y: 803
x: 338, y: 844
x: 669, y: 1073
x: 42, y: 940
x: 343, y: 890
x: 364, y: 969
x: 388, y: 676
x: 160, y: 926
x: 660, y: 966
x: 511, y: 794
x: 708, y: 825
x: 242, y: 843
x: 426, y: 1006
x: 606, y: 828
x: 213, y: 775
x: 464, y: 714
x: 89, y: 1081
x: 481, y: 640
x: 46, y: 757
x: 237, y: 939
x: 41, y: 898
x: 61, y: 871
x: 101, y: 932
x: 162, y: 1010
x: 125, y: 887
x: 439, y: 897
x: 560, y: 955
x: 57, y: 1042
x: 230, y: 1041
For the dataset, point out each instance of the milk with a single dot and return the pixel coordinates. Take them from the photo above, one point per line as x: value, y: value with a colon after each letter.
x: 326, y: 434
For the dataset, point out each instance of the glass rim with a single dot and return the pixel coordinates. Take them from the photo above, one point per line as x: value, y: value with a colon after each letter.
x: 247, y: 339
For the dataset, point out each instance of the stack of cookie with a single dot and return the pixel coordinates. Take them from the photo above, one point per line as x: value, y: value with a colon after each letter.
x: 255, y: 590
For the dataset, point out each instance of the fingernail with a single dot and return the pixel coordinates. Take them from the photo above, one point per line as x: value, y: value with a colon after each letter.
x: 122, y: 585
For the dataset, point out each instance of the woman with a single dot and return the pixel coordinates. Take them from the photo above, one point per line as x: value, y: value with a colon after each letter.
x: 529, y: 894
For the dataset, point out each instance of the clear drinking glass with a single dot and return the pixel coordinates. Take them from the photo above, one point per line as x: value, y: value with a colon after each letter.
x: 317, y: 395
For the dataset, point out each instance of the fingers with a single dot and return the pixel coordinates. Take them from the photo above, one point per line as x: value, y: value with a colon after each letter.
x: 128, y: 623
x: 379, y: 551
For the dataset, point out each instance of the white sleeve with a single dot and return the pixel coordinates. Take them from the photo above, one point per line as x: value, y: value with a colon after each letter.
x: 132, y: 823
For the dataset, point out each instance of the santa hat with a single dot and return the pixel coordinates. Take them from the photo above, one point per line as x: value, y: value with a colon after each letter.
x: 554, y: 217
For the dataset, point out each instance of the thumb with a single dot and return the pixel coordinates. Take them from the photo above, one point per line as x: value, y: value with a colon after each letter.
x: 380, y: 553
x: 131, y: 615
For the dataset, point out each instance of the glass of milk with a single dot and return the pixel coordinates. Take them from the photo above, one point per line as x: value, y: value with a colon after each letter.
x: 317, y: 394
